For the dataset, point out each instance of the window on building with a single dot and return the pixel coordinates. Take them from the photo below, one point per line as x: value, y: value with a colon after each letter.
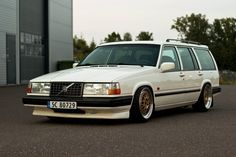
x: 22, y: 49
x: 22, y: 37
x: 31, y: 44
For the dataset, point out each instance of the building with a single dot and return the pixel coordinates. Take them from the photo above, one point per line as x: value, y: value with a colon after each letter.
x: 34, y: 36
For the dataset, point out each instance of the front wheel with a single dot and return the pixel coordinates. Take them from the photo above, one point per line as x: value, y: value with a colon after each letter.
x: 143, y: 105
x: 205, y: 101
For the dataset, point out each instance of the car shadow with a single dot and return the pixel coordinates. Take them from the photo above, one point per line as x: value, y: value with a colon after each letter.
x: 156, y: 115
x: 75, y: 121
x: 173, y: 112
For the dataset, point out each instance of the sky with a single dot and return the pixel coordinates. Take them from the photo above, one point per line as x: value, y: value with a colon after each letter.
x: 95, y: 19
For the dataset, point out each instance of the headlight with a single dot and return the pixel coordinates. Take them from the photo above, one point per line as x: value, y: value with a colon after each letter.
x: 101, y: 89
x: 38, y: 88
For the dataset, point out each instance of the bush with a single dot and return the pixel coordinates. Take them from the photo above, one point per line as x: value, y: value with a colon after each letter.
x: 227, y: 77
x: 61, y: 65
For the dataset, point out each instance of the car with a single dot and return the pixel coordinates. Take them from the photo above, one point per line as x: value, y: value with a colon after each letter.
x: 122, y: 80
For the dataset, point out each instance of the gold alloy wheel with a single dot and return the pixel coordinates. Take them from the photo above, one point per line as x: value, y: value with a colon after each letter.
x: 146, y: 103
x: 207, y: 96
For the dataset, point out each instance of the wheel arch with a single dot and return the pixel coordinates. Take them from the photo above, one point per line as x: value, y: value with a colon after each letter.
x: 198, y: 105
x: 133, y: 110
x: 204, y: 82
x: 143, y: 84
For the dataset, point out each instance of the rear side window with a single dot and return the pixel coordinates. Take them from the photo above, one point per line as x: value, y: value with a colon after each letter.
x: 205, y: 59
x: 187, y: 60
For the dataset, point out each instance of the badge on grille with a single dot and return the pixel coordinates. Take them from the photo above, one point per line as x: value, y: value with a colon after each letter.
x: 65, y: 88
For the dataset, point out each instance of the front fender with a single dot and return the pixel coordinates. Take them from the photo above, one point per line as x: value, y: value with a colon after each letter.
x: 140, y: 84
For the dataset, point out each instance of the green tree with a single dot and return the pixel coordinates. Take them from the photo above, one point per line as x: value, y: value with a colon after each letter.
x: 92, y: 46
x: 219, y: 36
x: 144, y: 36
x: 127, y: 37
x: 193, y: 27
x: 223, y: 39
x: 81, y: 48
x: 113, y: 37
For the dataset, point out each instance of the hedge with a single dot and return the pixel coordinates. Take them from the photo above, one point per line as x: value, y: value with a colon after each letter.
x: 61, y: 65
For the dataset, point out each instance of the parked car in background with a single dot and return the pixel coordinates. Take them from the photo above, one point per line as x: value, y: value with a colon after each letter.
x: 129, y: 80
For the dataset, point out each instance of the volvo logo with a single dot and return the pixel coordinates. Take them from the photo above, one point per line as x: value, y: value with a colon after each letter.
x: 65, y: 88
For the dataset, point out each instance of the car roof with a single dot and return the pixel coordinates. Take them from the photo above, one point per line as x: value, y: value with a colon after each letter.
x: 175, y: 43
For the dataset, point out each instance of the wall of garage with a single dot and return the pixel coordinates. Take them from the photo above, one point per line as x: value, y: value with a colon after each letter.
x: 39, y: 33
x: 33, y: 38
x: 60, y: 32
x: 8, y: 16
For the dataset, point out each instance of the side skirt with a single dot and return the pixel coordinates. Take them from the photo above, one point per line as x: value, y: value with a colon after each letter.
x: 169, y: 106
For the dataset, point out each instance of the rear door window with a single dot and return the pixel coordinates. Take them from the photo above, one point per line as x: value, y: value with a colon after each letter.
x: 187, y: 59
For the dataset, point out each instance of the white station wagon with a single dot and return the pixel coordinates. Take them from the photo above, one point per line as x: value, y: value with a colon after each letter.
x: 129, y: 80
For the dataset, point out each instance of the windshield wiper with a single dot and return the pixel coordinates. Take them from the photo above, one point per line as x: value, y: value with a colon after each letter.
x: 87, y: 64
x: 124, y: 64
x: 104, y: 65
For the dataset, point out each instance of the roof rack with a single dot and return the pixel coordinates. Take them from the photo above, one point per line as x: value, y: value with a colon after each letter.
x: 183, y: 41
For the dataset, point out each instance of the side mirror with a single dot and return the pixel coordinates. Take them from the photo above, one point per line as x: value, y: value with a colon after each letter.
x: 74, y: 65
x: 167, y: 66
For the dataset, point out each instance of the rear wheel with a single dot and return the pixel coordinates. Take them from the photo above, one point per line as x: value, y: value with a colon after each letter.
x: 205, y: 101
x: 143, y: 105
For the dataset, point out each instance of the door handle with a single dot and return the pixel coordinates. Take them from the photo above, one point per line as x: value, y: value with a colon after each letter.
x: 181, y: 74
x: 200, y: 73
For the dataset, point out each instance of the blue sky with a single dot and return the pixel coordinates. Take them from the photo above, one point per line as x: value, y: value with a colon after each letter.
x: 96, y: 18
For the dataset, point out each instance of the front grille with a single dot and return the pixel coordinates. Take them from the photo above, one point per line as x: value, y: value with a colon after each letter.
x: 66, y: 89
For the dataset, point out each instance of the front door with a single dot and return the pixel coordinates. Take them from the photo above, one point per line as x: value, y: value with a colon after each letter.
x: 171, y: 83
x: 11, y: 58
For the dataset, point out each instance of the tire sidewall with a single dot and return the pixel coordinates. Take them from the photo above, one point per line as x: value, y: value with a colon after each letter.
x: 200, y: 105
x: 135, y: 113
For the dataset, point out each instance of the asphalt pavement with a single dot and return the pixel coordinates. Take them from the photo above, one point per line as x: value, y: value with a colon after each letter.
x: 172, y: 133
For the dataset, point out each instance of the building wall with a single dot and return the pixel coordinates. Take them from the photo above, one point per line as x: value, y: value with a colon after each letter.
x: 60, y: 32
x: 33, y: 38
x: 3, y: 66
x: 58, y: 35
x: 8, y: 14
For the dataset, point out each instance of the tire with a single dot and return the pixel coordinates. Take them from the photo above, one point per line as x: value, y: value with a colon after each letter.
x: 142, y: 106
x: 205, y: 101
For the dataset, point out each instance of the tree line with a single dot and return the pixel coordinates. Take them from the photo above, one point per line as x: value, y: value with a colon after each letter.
x: 220, y: 36
x: 82, y: 48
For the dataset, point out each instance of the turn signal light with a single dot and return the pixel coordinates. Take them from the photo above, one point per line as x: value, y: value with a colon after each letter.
x: 114, y: 91
x: 28, y: 90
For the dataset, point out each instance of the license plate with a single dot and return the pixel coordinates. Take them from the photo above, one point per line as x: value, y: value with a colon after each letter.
x: 62, y: 105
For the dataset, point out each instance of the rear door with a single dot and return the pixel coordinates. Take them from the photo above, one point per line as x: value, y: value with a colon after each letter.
x: 191, y: 74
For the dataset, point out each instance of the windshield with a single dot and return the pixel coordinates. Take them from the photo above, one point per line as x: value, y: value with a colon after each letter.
x: 133, y: 54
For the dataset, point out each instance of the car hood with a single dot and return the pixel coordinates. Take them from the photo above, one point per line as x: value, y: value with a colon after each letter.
x: 91, y: 74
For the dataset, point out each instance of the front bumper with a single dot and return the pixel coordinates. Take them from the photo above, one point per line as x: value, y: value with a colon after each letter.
x: 96, y: 107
